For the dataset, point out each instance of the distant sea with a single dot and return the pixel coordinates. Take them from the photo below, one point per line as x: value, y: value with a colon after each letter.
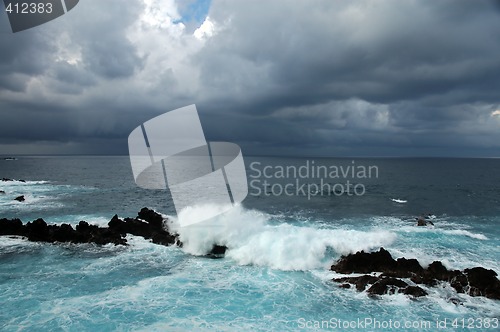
x: 282, y: 240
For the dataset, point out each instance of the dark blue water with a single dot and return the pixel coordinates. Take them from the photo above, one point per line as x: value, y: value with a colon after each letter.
x: 281, y: 244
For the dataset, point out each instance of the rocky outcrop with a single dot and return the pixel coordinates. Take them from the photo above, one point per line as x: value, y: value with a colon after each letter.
x: 217, y: 251
x: 10, y: 180
x: 425, y: 220
x: 39, y: 231
x: 148, y: 224
x: 476, y: 281
x: 20, y: 198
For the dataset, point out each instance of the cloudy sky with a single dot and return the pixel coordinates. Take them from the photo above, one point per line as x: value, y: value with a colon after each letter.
x: 302, y: 78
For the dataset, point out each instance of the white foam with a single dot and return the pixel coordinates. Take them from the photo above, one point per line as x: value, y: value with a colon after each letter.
x: 13, y: 241
x: 398, y: 200
x: 22, y: 183
x: 75, y: 219
x: 252, y: 241
x: 466, y: 233
x: 444, y: 227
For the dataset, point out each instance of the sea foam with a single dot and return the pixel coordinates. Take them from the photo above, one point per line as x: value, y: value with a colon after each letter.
x: 252, y: 240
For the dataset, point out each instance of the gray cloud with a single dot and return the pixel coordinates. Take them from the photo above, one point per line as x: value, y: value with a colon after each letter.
x: 306, y: 78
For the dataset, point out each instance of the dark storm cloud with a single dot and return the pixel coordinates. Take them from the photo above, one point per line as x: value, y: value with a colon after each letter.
x: 23, y: 55
x: 376, y: 51
x: 315, y: 77
x: 435, y: 64
x: 65, y: 104
x: 70, y: 79
x: 106, y: 51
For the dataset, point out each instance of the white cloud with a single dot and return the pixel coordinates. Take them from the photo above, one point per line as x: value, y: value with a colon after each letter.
x: 161, y: 14
x: 206, y: 30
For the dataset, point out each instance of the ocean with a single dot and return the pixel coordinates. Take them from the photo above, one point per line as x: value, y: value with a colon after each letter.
x: 300, y: 216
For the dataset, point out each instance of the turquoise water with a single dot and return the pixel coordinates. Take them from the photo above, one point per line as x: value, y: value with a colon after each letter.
x: 275, y: 275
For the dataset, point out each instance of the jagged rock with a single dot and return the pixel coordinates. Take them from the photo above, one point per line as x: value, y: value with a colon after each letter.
x: 386, y: 286
x: 380, y: 261
x: 217, y: 251
x: 11, y: 227
x: 148, y: 224
x: 10, y: 180
x: 483, y: 282
x: 38, y: 230
x: 63, y: 233
x: 455, y: 301
x: 381, y: 285
x: 421, y: 222
x: 435, y: 272
x: 424, y: 221
x: 150, y: 216
x: 20, y: 198
x: 362, y: 262
x: 151, y: 228
x: 360, y: 282
x: 414, y: 291
x: 476, y: 281
x: 408, y: 265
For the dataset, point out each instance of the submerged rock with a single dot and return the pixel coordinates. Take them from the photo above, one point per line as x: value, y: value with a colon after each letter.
x: 380, y: 285
x: 424, y: 221
x: 476, y: 281
x: 217, y: 251
x: 359, y: 282
x: 387, y: 285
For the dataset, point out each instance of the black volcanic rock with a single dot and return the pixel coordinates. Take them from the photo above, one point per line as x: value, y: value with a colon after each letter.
x: 217, y: 251
x: 148, y: 224
x: 380, y: 285
x: 476, y: 281
x: 380, y: 261
x: 386, y: 286
x: 20, y: 198
x: 151, y: 217
x: 414, y: 291
x: 38, y: 230
x: 362, y: 262
x: 2, y: 192
x: 11, y: 180
x: 483, y: 282
x: 407, y: 266
x: 63, y: 233
x: 11, y: 227
x: 359, y: 282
